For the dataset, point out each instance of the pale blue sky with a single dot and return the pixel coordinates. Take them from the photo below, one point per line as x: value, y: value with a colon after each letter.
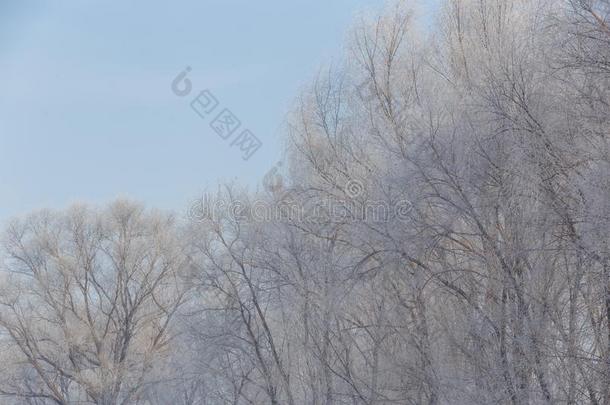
x: 86, y: 110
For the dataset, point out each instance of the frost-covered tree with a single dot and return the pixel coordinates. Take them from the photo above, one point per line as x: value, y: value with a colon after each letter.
x: 87, y: 303
x: 439, y: 234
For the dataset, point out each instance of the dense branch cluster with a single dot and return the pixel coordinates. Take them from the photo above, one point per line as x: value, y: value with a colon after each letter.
x: 492, y: 287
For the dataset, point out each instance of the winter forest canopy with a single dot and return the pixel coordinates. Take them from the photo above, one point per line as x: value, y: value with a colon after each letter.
x: 440, y: 235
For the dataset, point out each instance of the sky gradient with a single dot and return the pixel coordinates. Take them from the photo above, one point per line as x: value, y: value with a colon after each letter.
x: 86, y: 108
